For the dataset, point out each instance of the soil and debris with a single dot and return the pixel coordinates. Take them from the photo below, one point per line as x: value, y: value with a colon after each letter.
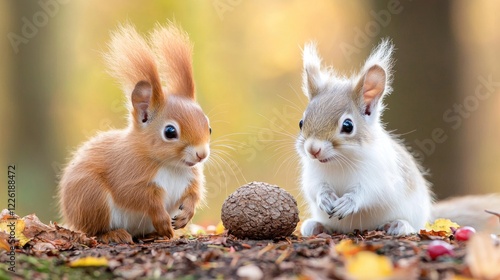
x: 53, y: 252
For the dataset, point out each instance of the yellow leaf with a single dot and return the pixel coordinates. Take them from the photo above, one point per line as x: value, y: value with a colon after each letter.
x: 18, y: 227
x: 89, y: 261
x: 347, y: 248
x: 219, y: 229
x: 442, y: 225
x: 368, y: 265
x: 460, y: 277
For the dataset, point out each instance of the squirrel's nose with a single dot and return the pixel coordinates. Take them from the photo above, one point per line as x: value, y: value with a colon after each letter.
x: 313, y: 147
x: 201, y: 156
x: 202, y: 152
x: 314, y: 151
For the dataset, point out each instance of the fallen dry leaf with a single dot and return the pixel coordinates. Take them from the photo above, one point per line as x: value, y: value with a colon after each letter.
x: 43, y: 247
x: 64, y: 239
x: 432, y: 234
x: 347, y: 248
x: 368, y: 265
x: 459, y: 277
x: 18, y: 225
x: 4, y: 241
x: 5, y: 214
x: 34, y: 226
x: 89, y: 261
x: 442, y: 225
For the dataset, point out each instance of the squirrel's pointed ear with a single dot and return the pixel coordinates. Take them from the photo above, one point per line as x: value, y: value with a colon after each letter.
x: 141, y: 102
x: 371, y: 88
x: 375, y: 79
x: 312, y: 77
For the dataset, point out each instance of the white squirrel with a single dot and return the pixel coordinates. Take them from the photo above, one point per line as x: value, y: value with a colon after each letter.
x: 355, y: 174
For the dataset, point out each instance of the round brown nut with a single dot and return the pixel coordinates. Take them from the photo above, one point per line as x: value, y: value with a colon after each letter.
x: 259, y: 210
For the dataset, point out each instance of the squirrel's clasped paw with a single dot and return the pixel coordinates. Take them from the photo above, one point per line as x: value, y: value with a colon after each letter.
x: 344, y: 206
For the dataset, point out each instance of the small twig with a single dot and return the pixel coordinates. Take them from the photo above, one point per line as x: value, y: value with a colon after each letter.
x: 162, y: 240
x: 217, y: 247
x: 315, y: 240
x: 234, y: 261
x: 266, y: 249
x: 493, y: 213
x: 283, y: 256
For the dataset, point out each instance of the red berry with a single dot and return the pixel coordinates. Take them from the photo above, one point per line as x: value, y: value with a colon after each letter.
x: 464, y: 233
x: 439, y: 248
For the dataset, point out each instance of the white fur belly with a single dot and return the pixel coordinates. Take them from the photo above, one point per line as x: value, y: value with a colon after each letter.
x: 135, y: 223
x: 366, y: 219
x: 174, y: 182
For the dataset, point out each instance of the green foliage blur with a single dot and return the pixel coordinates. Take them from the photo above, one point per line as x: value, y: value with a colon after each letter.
x: 56, y: 92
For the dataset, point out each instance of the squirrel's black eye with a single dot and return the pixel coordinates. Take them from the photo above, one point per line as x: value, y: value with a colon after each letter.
x: 210, y: 129
x: 301, y: 123
x: 170, y: 132
x: 347, y: 126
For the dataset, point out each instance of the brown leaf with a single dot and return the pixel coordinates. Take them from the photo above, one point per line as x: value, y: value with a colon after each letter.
x: 34, y: 226
x: 5, y: 215
x: 42, y: 247
x: 432, y: 234
x: 65, y: 239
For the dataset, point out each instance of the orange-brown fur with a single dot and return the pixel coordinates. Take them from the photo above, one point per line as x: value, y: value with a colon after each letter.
x: 121, y: 164
x: 179, y: 54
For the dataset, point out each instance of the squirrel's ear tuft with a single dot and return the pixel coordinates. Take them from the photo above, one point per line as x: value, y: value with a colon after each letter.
x: 375, y: 79
x: 382, y: 56
x: 312, y: 77
x: 130, y: 59
x: 174, y: 50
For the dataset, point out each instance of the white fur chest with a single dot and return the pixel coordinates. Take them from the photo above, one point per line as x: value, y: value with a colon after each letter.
x: 340, y: 178
x: 174, y: 182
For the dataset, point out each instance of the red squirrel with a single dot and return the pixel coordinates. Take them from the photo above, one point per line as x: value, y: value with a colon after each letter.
x: 145, y: 179
x: 355, y: 174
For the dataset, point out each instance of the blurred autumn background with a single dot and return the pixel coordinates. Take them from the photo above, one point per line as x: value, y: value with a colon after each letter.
x: 247, y: 62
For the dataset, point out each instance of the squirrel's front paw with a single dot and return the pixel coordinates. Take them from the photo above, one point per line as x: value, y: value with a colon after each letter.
x: 344, y: 206
x: 326, y: 201
x: 164, y: 229
x: 184, y: 216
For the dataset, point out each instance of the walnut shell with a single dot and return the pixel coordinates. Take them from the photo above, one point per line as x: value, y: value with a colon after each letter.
x: 259, y: 210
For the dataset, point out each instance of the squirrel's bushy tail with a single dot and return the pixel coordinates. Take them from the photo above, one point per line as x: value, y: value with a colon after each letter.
x: 131, y: 60
x: 470, y: 211
x: 174, y: 51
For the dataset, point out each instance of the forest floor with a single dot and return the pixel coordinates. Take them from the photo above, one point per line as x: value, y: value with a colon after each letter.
x: 52, y: 252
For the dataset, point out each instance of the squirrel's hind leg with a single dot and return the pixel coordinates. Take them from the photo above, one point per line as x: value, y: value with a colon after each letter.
x: 398, y: 228
x: 311, y: 227
x: 115, y: 236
